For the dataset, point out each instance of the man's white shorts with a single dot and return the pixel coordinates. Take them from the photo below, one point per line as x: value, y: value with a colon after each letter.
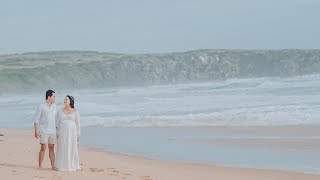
x: 48, y: 138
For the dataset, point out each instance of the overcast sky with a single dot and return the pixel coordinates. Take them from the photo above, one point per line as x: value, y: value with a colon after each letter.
x: 155, y: 26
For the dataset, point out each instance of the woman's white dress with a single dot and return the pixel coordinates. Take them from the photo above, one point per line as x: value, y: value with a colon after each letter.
x: 68, y: 127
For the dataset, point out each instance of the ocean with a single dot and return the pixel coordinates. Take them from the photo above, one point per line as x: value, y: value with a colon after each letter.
x: 168, y: 122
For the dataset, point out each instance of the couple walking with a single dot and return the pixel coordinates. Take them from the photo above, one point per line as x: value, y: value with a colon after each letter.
x: 61, y: 128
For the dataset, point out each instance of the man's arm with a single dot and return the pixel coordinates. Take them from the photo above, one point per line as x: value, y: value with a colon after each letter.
x: 36, y: 130
x: 36, y: 122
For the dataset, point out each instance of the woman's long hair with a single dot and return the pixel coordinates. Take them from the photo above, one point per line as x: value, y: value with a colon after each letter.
x: 71, y: 101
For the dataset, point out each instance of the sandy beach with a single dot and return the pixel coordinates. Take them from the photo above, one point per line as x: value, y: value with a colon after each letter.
x: 19, y: 150
x: 302, y: 137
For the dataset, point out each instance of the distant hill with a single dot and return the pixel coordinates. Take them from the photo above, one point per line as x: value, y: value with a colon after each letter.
x: 89, y: 69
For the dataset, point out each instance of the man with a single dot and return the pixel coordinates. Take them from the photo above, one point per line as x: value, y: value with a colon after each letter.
x: 45, y: 121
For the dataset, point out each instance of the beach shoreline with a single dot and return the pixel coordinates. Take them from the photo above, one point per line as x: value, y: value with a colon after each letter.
x: 19, y: 150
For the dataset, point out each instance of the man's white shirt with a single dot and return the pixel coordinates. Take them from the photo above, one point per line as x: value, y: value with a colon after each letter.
x: 45, y: 116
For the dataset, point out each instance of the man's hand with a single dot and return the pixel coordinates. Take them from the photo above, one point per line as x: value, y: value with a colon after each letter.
x: 78, y: 137
x: 36, y: 134
x: 36, y: 130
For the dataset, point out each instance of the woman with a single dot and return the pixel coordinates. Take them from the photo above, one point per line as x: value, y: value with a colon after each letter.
x: 68, y: 135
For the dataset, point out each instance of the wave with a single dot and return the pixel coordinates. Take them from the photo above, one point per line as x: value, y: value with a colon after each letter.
x: 242, y: 118
x: 234, y: 102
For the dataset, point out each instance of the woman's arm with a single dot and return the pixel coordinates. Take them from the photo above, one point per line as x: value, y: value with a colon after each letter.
x: 78, y: 124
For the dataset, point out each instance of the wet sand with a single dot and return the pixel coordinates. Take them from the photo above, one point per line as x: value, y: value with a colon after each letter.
x: 19, y: 150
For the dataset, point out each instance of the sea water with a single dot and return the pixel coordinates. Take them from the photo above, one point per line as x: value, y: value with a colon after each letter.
x: 143, y: 121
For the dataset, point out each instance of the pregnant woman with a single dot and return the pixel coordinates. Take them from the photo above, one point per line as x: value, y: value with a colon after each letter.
x: 68, y: 133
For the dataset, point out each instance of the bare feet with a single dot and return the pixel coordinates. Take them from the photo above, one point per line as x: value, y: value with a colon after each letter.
x: 55, y: 168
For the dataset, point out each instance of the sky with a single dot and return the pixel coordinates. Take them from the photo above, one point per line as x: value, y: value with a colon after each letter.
x: 157, y: 26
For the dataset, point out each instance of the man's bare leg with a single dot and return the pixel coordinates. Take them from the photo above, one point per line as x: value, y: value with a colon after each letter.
x: 52, y: 157
x: 41, y: 154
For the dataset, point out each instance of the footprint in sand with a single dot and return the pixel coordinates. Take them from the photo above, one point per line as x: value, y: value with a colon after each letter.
x: 96, y: 170
x: 126, y: 174
x: 41, y: 177
x: 114, y: 173
x: 17, y: 172
x: 56, y: 177
x: 146, y: 178
x: 111, y: 172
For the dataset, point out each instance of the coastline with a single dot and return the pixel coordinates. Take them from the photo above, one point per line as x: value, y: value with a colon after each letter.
x: 19, y: 150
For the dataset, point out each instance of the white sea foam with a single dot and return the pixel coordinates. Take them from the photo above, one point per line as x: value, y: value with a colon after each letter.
x: 257, y: 101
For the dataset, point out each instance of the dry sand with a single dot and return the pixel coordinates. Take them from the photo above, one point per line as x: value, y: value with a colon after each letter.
x: 19, y: 151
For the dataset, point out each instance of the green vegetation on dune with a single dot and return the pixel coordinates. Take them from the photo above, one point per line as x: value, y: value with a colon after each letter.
x: 68, y: 69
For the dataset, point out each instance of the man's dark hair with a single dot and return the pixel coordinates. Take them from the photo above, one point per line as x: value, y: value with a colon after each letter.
x: 49, y: 93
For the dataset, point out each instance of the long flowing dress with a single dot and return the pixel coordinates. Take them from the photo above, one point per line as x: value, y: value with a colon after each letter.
x: 68, y: 127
